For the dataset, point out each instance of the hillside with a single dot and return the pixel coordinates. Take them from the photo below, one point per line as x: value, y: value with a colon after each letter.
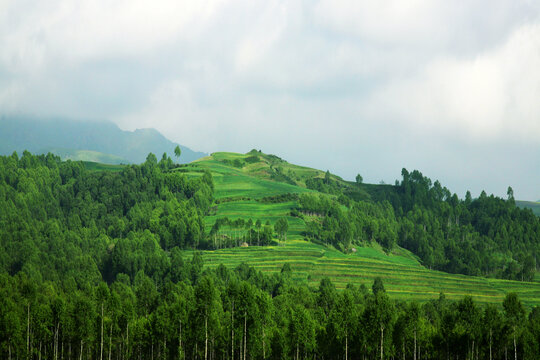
x: 92, y: 251
x: 88, y: 155
x: 57, y: 135
x: 256, y: 186
x: 533, y: 205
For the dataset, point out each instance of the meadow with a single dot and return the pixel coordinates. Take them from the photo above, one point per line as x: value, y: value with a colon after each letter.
x: 239, y: 190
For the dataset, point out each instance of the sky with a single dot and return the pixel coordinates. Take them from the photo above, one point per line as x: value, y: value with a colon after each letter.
x: 451, y: 88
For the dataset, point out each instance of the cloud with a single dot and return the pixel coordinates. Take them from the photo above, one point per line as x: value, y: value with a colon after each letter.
x: 352, y: 86
x: 36, y: 32
x: 492, y: 95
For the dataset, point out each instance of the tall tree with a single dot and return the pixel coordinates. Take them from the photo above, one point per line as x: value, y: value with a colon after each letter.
x: 514, y: 314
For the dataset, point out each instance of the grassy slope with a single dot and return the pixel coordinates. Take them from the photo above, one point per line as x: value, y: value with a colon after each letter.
x: 94, y: 166
x: 404, y: 277
x: 534, y: 206
x: 88, y: 155
x: 248, y: 185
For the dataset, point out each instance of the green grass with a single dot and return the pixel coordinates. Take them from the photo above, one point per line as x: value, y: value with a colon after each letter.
x: 404, y: 278
x: 534, y: 206
x: 93, y: 166
x: 88, y: 155
x: 239, y: 190
x: 241, y: 187
x: 246, y: 186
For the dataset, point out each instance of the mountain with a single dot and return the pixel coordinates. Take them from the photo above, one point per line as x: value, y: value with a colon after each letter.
x: 66, y: 137
x: 533, y: 205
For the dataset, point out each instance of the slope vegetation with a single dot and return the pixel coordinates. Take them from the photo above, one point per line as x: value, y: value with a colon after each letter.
x: 242, y: 181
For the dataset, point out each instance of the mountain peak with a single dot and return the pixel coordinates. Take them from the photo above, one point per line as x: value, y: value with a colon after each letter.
x: 40, y: 135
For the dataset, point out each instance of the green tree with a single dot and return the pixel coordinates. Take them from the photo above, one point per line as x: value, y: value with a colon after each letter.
x: 177, y: 151
x: 514, y: 314
x: 281, y: 227
x: 359, y: 179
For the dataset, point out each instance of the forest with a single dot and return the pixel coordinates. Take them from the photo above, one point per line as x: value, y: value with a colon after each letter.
x: 92, y: 266
x: 486, y: 236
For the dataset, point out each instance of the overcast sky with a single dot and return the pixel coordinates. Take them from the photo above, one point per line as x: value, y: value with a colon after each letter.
x: 451, y: 88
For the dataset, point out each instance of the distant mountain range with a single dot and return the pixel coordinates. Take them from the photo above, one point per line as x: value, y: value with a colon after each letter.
x: 100, y: 141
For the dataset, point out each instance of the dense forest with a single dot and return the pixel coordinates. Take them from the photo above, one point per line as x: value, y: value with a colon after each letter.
x: 486, y: 236
x: 92, y: 266
x: 243, y: 314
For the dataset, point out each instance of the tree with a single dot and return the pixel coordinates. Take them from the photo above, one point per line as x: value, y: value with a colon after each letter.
x: 206, y: 297
x: 281, y: 227
x: 258, y: 225
x: 327, y: 177
x: 177, y: 151
x: 359, y: 179
x: 514, y: 314
x: 378, y: 286
x: 510, y: 193
x: 492, y: 322
x: 379, y: 314
x: 344, y: 318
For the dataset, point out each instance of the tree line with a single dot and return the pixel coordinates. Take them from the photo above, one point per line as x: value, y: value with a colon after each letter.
x: 244, y: 314
x: 486, y: 236
x: 92, y: 265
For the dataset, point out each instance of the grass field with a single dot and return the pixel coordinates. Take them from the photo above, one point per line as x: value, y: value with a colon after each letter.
x: 88, y: 155
x: 243, y: 189
x: 93, y: 166
x: 239, y: 188
x: 404, y: 278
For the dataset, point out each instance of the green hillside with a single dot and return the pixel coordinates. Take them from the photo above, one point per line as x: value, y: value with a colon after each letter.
x: 39, y: 135
x: 533, y: 205
x: 87, y: 155
x: 404, y: 278
x: 239, y: 190
x: 243, y: 180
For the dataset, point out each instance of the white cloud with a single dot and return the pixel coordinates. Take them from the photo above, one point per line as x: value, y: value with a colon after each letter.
x: 61, y: 30
x: 493, y: 95
x: 316, y: 82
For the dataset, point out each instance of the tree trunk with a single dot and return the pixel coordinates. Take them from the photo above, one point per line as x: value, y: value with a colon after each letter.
x: 346, y: 345
x: 515, y: 347
x: 382, y: 340
x: 206, y: 337
x: 101, y: 343
x: 55, y: 341
x: 80, y: 354
x: 28, y: 333
x: 127, y: 340
x: 264, y: 350
x: 414, y: 343
x: 245, y: 333
x: 232, y: 331
x: 110, y: 341
x: 490, y: 335
x: 181, y: 355
x: 297, y: 351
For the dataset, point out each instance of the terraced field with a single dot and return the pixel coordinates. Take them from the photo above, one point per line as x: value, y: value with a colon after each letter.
x: 403, y: 277
x: 239, y: 191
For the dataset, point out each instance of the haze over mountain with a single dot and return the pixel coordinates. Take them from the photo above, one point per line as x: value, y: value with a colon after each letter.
x: 449, y: 88
x: 66, y: 138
